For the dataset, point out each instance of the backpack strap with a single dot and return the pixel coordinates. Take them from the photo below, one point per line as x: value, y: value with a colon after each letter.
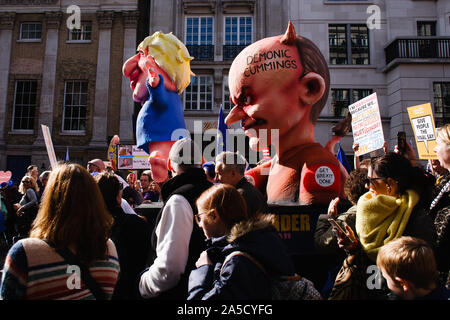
x: 88, y: 280
x: 249, y: 257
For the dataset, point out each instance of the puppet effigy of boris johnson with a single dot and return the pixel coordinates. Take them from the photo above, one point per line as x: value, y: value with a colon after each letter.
x: 282, y: 83
x: 158, y: 74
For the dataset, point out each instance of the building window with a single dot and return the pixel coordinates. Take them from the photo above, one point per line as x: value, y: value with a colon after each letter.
x: 75, y: 105
x: 238, y: 35
x: 24, y: 105
x: 82, y: 34
x: 441, y: 92
x: 199, y: 94
x: 199, y: 37
x: 426, y: 28
x: 31, y: 31
x: 227, y: 105
x: 342, y: 98
x: 349, y: 43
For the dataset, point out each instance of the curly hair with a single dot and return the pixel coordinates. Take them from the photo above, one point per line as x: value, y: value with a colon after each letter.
x: 355, y: 185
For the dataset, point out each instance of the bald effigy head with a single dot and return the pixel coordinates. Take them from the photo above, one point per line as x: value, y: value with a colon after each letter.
x: 276, y: 83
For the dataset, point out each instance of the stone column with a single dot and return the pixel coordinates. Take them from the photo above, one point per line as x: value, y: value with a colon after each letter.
x: 126, y: 134
x: 101, y: 102
x: 6, y: 35
x: 46, y: 105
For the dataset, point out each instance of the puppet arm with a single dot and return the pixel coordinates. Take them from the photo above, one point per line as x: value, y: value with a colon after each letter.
x: 260, y: 175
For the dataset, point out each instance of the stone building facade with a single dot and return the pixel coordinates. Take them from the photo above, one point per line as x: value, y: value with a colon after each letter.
x: 69, y: 79
x: 72, y: 81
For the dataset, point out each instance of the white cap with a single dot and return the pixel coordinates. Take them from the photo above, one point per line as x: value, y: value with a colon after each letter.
x: 185, y: 151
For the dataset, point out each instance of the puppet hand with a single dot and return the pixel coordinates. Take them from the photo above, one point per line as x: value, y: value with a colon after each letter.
x: 158, y: 166
x: 153, y: 78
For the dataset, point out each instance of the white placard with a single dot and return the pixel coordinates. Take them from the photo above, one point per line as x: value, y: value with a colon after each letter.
x: 49, y: 146
x: 366, y: 124
x: 132, y: 158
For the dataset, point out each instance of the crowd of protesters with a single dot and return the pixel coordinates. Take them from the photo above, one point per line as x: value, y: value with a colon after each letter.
x: 214, y: 236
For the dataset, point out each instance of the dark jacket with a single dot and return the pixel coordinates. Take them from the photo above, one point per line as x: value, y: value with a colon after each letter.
x: 325, y: 240
x: 253, y: 197
x: 240, y: 278
x: 131, y: 235
x: 189, y: 184
x: 440, y: 214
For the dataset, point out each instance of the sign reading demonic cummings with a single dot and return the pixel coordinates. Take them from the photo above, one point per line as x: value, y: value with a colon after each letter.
x: 422, y: 121
x: 366, y: 124
x: 269, y: 61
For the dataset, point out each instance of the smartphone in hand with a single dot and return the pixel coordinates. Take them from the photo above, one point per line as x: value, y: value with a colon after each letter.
x: 337, y: 226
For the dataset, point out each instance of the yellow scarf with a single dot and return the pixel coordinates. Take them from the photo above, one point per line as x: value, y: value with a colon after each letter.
x: 382, y: 218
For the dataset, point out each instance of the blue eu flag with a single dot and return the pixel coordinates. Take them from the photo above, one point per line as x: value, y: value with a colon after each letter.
x: 222, y: 132
x: 343, y: 159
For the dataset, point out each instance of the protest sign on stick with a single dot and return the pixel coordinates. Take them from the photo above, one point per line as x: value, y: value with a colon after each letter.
x: 422, y: 122
x: 366, y: 124
x: 49, y: 146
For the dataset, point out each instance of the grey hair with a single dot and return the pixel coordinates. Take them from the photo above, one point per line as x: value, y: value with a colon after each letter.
x: 233, y: 160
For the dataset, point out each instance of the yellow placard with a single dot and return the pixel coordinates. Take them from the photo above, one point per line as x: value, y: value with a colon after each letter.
x: 422, y: 122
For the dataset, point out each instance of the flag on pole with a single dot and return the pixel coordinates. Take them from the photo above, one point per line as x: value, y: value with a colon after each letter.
x: 343, y: 159
x: 67, y: 155
x: 222, y: 132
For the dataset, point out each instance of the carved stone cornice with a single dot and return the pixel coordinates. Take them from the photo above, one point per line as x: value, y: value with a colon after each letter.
x: 105, y: 19
x: 53, y: 19
x: 130, y: 19
x: 229, y: 5
x: 26, y: 2
x: 199, y: 6
x: 7, y: 20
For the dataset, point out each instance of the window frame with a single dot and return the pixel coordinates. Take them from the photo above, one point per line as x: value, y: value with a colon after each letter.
x: 351, y: 99
x: 72, y: 131
x: 199, y: 33
x: 82, y: 33
x: 198, y: 101
x: 22, y: 39
x: 226, y: 102
x: 28, y: 130
x: 238, y: 29
x: 350, y: 50
x: 434, y: 27
x: 442, y: 118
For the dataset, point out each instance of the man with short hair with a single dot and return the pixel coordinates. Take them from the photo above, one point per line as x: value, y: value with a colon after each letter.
x: 176, y: 241
x: 230, y: 168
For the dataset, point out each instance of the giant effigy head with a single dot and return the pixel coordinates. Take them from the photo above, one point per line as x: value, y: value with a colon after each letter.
x: 160, y: 53
x: 277, y: 83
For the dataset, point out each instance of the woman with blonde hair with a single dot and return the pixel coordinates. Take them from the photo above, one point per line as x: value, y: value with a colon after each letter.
x: 440, y: 207
x: 219, y: 275
x: 69, y: 239
x: 27, y: 207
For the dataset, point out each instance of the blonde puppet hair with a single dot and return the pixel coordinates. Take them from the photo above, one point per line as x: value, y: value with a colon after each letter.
x: 171, y: 55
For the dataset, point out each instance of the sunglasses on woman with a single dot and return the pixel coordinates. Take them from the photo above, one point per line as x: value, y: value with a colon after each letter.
x: 371, y: 180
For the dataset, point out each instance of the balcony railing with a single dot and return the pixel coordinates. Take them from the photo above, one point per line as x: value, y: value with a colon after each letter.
x: 422, y: 48
x: 201, y: 52
x: 230, y: 51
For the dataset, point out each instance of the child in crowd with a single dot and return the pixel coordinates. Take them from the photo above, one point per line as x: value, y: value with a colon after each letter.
x: 409, y: 267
